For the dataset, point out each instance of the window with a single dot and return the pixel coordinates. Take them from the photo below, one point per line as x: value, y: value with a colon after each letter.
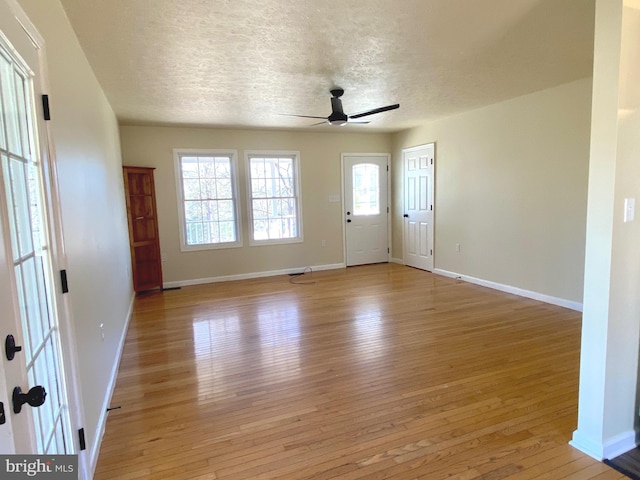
x: 274, y: 204
x: 207, y: 203
x: 366, y: 189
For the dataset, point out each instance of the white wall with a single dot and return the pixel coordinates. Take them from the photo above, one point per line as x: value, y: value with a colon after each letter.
x: 611, y: 328
x: 320, y: 175
x: 87, y: 155
x: 511, y: 188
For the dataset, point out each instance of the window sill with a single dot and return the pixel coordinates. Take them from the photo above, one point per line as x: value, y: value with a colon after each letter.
x: 210, y: 246
x: 265, y: 243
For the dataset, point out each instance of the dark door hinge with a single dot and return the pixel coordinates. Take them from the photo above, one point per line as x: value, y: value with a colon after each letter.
x: 45, y: 107
x: 63, y: 281
x: 81, y: 439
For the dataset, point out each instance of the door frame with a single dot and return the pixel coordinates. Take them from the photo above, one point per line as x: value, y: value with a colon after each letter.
x: 52, y: 206
x: 343, y: 217
x: 433, y: 229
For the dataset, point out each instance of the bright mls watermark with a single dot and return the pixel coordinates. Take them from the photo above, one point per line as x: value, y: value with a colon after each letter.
x: 51, y: 467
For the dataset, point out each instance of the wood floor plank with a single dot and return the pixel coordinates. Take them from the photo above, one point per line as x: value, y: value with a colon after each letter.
x: 373, y: 372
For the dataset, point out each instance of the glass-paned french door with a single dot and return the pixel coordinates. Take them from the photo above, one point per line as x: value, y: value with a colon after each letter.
x: 30, y: 251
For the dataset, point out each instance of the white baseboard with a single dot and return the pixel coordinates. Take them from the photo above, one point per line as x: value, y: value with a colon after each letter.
x: 247, y: 276
x: 561, y: 302
x: 608, y: 449
x: 399, y: 261
x: 619, y: 444
x: 585, y: 445
x: 102, y: 421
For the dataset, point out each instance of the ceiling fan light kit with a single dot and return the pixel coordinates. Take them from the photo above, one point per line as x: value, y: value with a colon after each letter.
x: 339, y: 118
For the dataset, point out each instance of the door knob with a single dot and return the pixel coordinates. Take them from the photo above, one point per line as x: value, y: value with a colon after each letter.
x: 10, y: 347
x: 406, y: 215
x: 34, y: 397
x: 348, y: 220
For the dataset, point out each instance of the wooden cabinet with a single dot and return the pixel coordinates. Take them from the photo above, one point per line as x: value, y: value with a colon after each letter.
x: 142, y: 217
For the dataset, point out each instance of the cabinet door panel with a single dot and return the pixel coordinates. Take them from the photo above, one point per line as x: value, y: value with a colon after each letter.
x: 139, y: 183
x: 142, y: 207
x: 144, y: 230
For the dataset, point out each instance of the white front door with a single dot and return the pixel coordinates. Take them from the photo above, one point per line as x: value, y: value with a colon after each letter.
x: 27, y: 287
x: 366, y: 208
x: 418, y: 206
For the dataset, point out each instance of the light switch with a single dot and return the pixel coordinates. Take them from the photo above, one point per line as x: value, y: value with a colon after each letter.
x: 629, y: 209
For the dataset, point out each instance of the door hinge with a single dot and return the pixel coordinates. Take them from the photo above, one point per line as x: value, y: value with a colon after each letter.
x: 81, y: 439
x: 431, y: 252
x: 431, y: 207
x: 63, y: 281
x: 45, y: 107
x: 387, y: 209
x: 388, y: 251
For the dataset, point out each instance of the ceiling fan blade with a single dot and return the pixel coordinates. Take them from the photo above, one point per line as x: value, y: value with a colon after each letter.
x: 375, y: 110
x: 301, y: 116
x: 357, y: 121
x: 319, y: 123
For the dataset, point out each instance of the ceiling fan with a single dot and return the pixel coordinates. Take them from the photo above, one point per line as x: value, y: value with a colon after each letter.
x: 338, y: 117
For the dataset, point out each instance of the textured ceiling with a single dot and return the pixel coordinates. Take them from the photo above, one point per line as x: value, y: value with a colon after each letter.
x: 244, y: 62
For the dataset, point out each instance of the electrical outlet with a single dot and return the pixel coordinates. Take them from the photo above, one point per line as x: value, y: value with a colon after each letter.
x: 324, y: 243
x: 102, y: 331
x: 458, y: 247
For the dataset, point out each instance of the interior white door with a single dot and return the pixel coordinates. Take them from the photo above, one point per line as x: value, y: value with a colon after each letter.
x: 418, y: 206
x: 26, y: 272
x: 366, y: 208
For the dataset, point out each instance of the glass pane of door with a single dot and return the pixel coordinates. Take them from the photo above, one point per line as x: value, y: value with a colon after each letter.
x: 366, y: 189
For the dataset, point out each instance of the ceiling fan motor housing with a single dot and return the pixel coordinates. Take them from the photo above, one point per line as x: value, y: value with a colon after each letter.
x: 337, y: 117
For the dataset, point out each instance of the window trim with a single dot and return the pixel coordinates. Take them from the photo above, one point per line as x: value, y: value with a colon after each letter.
x: 178, y: 153
x: 295, y: 154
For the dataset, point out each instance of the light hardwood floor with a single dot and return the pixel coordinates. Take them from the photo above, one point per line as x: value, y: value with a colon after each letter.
x: 373, y: 372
